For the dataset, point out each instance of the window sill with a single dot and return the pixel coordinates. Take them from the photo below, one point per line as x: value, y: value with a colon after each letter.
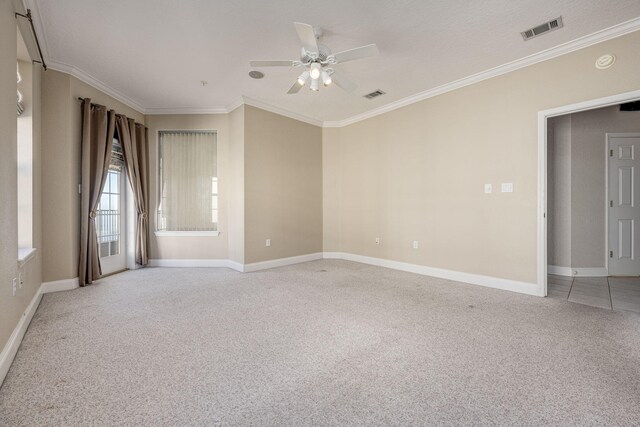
x: 186, y: 233
x: 24, y: 255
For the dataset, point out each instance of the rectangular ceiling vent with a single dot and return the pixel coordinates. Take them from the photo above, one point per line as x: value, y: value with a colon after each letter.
x: 374, y: 94
x: 554, y: 24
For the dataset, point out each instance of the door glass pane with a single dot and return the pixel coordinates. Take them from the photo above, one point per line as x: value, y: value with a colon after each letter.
x: 108, y: 215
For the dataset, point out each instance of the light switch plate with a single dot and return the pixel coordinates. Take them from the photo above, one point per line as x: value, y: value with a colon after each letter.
x: 507, y: 187
x: 268, y: 242
x: 488, y: 189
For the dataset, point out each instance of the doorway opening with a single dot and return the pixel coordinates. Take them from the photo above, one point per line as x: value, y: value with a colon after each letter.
x: 589, y: 195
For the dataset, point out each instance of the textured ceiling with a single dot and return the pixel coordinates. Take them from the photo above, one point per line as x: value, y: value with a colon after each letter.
x: 156, y: 52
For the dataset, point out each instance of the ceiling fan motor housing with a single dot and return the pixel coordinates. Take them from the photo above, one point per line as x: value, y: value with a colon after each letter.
x: 306, y: 57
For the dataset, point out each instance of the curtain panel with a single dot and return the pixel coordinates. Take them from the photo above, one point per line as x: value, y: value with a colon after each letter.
x: 134, y: 139
x: 98, y: 130
x: 99, y: 127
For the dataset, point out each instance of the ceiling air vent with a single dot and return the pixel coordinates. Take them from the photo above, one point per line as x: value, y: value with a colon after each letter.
x: 374, y: 94
x: 554, y: 24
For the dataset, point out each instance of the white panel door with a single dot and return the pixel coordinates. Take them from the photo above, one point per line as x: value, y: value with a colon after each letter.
x: 624, y: 209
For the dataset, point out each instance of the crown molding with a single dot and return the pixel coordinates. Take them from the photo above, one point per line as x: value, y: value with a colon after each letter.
x: 280, y: 111
x: 92, y: 81
x: 554, y: 52
x: 186, y: 110
x: 238, y: 103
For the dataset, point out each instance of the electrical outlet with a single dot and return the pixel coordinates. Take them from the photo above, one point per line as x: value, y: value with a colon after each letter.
x: 14, y: 283
x: 377, y: 240
x: 268, y: 242
x: 507, y: 187
x: 415, y: 244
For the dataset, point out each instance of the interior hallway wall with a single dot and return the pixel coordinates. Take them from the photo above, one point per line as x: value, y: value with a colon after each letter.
x: 577, y: 184
x: 588, y: 170
x: 559, y: 191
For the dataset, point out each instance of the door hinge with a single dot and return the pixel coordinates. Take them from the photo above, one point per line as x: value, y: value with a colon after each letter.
x: 610, y: 254
x: 79, y: 188
x: 610, y: 203
x: 610, y: 153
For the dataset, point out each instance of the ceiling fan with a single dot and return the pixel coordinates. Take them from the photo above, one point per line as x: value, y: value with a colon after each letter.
x: 317, y: 60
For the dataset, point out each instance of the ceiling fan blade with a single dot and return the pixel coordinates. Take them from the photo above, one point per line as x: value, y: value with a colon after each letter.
x: 357, y: 53
x: 295, y: 88
x: 343, y: 82
x: 272, y: 63
x: 307, y: 36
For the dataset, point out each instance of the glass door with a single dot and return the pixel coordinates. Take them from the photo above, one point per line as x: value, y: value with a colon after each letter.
x: 110, y: 216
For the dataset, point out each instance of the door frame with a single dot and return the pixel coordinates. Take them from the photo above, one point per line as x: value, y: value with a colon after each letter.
x: 542, y: 170
x: 609, y: 135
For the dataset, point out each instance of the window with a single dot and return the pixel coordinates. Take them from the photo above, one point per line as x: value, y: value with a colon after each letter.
x: 25, y: 158
x: 188, y: 182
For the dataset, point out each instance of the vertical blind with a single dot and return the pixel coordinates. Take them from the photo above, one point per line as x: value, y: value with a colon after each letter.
x: 188, y: 181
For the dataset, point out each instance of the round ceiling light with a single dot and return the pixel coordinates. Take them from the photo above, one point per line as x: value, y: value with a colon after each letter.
x: 605, y: 61
x: 256, y: 74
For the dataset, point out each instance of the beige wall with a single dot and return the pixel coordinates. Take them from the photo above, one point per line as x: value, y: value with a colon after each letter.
x: 559, y: 191
x: 581, y: 178
x: 164, y: 247
x: 331, y: 189
x: 236, y: 185
x: 270, y: 178
x: 12, y: 307
x: 283, y: 186
x: 417, y: 173
x: 60, y: 183
x: 61, y: 130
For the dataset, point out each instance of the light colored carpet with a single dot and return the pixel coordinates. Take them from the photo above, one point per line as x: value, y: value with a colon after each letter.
x: 320, y: 343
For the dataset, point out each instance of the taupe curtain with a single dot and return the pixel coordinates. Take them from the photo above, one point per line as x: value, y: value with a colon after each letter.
x: 98, y: 129
x: 135, y: 142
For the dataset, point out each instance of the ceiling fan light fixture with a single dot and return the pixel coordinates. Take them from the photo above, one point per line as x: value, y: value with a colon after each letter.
x: 314, y: 85
x: 303, y: 78
x: 326, y: 78
x: 315, y: 70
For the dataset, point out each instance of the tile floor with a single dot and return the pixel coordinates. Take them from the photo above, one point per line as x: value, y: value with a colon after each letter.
x: 614, y: 293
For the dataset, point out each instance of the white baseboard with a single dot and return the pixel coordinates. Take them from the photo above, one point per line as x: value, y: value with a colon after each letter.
x: 11, y: 347
x: 559, y: 270
x: 578, y: 272
x: 188, y: 263
x: 235, y: 266
x: 474, y: 279
x: 59, y: 285
x: 281, y: 262
x: 591, y: 272
x: 227, y: 263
